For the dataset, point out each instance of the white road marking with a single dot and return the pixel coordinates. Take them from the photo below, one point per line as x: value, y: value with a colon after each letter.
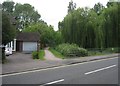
x: 99, y: 69
x: 53, y: 68
x: 61, y: 80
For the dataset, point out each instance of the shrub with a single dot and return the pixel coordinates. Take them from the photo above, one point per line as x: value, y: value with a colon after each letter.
x: 71, y: 49
x: 82, y: 52
x: 35, y: 55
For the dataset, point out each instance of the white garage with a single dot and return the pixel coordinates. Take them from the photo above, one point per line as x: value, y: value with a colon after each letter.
x: 29, y: 46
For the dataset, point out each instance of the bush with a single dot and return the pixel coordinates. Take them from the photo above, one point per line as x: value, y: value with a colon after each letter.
x: 82, y: 52
x: 38, y: 55
x: 71, y: 49
x: 35, y: 55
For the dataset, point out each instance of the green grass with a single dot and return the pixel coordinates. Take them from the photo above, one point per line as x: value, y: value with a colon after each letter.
x: 104, y: 51
x: 95, y: 53
x: 38, y: 55
x: 56, y: 53
x: 41, y: 55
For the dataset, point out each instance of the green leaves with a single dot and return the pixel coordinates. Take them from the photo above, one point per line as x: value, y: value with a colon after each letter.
x: 8, y: 31
x: 8, y: 6
x: 26, y: 14
x: 71, y: 50
x: 71, y: 6
x: 111, y: 25
x: 47, y: 34
x: 92, y: 28
x: 98, y: 8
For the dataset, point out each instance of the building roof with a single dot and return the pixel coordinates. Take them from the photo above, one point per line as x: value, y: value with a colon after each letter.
x: 28, y: 36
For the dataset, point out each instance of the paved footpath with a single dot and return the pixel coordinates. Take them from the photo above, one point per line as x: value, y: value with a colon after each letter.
x: 50, y: 56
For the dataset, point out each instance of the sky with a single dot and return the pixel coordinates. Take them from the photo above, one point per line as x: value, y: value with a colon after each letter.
x: 53, y: 11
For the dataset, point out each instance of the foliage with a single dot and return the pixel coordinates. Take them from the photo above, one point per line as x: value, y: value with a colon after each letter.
x: 98, y: 8
x: 38, y: 55
x: 48, y: 36
x: 71, y: 6
x: 24, y: 14
x: 41, y: 55
x: 97, y: 51
x: 8, y: 33
x: 8, y: 6
x: 110, y: 25
x: 58, y: 38
x: 82, y: 52
x: 111, y: 50
x: 35, y: 55
x: 97, y: 27
x: 56, y: 53
x: 67, y: 49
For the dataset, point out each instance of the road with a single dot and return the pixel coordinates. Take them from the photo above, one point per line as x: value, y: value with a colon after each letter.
x: 94, y: 72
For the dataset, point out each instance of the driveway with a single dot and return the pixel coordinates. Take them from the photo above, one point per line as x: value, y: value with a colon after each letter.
x: 22, y: 62
x: 19, y: 58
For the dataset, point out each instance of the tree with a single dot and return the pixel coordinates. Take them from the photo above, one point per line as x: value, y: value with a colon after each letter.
x: 8, y: 6
x: 8, y: 32
x: 97, y: 27
x: 26, y: 14
x: 111, y: 25
x: 109, y: 4
x: 47, y: 33
x: 58, y: 38
x: 60, y: 25
x: 71, y: 6
x: 98, y: 8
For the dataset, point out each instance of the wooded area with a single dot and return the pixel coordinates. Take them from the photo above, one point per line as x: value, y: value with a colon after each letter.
x: 96, y: 27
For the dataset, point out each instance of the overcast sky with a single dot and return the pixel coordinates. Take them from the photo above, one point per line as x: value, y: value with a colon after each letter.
x: 53, y: 11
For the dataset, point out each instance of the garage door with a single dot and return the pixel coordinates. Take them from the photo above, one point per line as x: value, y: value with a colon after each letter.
x: 29, y: 46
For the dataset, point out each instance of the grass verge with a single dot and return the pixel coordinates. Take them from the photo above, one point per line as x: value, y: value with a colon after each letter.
x: 56, y: 53
x: 38, y: 55
x: 96, y: 53
x: 41, y: 55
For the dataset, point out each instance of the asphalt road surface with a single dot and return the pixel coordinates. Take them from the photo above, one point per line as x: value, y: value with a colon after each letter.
x: 95, y: 72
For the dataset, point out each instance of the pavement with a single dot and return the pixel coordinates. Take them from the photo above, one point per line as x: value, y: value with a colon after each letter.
x: 20, y: 62
x: 103, y: 72
x: 49, y: 56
